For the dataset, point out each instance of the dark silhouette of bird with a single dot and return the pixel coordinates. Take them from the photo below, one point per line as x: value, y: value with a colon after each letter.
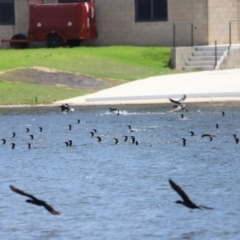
x: 236, y: 139
x: 179, y: 104
x: 116, y: 140
x: 29, y: 145
x: 78, y: 121
x: 112, y: 109
x: 35, y: 200
x: 27, y: 129
x: 184, y: 142
x: 13, y: 134
x: 92, y: 134
x: 66, y: 108
x: 99, y: 139
x: 186, y: 201
x: 4, y: 141
x: 68, y: 143
x: 217, y: 125
x: 133, y: 139
x: 208, y: 135
x: 130, y: 129
x: 69, y: 127
x: 40, y: 129
x: 223, y: 113
x: 136, y: 142
x: 95, y: 130
x: 192, y: 133
x: 13, y: 145
x: 125, y: 138
x: 32, y: 137
x: 182, y: 116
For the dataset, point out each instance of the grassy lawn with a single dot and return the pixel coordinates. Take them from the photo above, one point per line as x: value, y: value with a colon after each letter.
x: 30, y: 94
x: 115, y: 62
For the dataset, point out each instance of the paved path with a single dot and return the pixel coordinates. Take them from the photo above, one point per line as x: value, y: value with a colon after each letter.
x: 220, y: 85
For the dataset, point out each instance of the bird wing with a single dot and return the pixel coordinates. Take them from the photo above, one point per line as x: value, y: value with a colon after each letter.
x: 174, y: 101
x: 51, y: 209
x: 179, y: 191
x: 205, y: 207
x: 183, y: 98
x: 16, y: 190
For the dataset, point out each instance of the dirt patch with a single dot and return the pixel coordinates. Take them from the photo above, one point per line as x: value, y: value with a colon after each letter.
x: 45, y: 76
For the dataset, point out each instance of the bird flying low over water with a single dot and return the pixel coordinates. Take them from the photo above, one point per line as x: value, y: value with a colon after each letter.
x: 186, y: 201
x: 35, y: 200
x: 179, y: 104
x: 208, y: 135
x: 66, y: 108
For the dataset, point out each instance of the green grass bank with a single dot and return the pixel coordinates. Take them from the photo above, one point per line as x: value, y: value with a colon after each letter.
x: 126, y: 63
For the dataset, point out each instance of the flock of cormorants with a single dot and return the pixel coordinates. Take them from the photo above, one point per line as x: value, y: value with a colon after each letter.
x: 179, y: 106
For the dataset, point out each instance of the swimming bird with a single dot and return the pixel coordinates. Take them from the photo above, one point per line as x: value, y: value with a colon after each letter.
x: 13, y: 145
x: 29, y: 145
x: 236, y: 139
x: 180, y: 106
x: 112, y: 109
x: 78, y: 121
x: 217, y: 125
x: 192, y: 133
x: 208, y: 135
x: 223, y: 113
x: 13, y: 134
x: 35, y: 200
x: 95, y: 130
x: 184, y: 141
x: 99, y: 139
x: 4, y: 141
x: 186, y: 201
x: 69, y: 127
x: 125, y: 138
x: 27, y: 129
x: 130, y: 129
x: 68, y: 143
x: 92, y: 134
x: 133, y: 139
x: 136, y: 142
x: 40, y: 129
x: 32, y: 137
x: 182, y: 116
x: 116, y: 140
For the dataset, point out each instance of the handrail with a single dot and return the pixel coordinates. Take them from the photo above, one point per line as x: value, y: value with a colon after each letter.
x: 174, y: 32
x: 229, y: 23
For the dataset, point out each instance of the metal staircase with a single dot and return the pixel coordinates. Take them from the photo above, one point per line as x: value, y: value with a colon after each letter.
x: 203, y: 58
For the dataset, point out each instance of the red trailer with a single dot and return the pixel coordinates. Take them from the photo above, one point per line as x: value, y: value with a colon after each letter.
x: 58, y: 24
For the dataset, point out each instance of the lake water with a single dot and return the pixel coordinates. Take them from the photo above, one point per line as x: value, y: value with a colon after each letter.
x: 120, y: 191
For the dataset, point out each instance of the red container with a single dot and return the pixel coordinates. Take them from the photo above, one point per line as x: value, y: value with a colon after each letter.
x: 58, y: 24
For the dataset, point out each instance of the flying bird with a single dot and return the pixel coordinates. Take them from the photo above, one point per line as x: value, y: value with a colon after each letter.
x: 35, y: 200
x: 186, y: 201
x: 179, y: 104
x: 208, y: 135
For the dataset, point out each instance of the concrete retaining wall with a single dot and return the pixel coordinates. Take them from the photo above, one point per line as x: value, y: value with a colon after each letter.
x: 179, y: 56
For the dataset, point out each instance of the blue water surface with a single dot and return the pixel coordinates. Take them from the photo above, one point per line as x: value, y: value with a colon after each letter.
x: 120, y: 191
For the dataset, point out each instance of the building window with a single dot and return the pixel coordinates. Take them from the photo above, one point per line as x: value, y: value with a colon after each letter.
x: 151, y: 10
x: 7, y: 16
